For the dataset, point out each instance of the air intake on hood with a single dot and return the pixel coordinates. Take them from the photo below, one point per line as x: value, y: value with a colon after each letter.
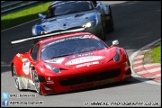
x: 77, y: 15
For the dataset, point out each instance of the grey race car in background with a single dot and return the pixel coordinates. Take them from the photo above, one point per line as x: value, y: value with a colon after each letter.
x: 75, y: 16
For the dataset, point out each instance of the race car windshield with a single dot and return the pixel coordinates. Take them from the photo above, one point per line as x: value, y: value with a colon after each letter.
x: 69, y: 7
x: 69, y: 47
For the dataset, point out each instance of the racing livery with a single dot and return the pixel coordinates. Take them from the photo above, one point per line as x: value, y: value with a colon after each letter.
x: 89, y: 16
x: 68, y: 62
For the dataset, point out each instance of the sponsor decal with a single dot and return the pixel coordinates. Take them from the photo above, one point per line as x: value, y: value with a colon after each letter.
x: 80, y: 55
x: 56, y: 60
x: 87, y: 64
x: 25, y: 66
x: 84, y: 59
x: 87, y: 36
x: 49, y: 78
x: 86, y: 54
x: 72, y: 57
x: 49, y: 81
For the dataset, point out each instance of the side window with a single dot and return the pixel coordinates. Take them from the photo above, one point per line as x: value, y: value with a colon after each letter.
x: 94, y: 3
x: 34, y: 52
x: 49, y: 13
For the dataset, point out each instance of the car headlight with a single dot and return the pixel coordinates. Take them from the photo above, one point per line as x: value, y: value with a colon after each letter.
x: 43, y: 32
x: 33, y: 30
x: 89, y: 24
x: 54, y: 69
x: 117, y: 56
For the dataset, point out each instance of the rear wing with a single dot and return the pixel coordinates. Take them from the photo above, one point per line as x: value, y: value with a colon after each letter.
x: 46, y: 35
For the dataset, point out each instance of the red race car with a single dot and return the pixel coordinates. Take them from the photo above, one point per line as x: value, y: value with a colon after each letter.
x: 68, y: 62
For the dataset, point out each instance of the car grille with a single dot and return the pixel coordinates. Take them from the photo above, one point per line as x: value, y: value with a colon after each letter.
x: 90, y: 78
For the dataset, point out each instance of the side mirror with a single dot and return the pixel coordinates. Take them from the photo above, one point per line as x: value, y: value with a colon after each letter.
x: 98, y: 7
x: 115, y: 42
x: 41, y: 16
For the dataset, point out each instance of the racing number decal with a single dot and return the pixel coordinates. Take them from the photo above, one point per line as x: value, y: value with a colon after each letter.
x: 25, y: 66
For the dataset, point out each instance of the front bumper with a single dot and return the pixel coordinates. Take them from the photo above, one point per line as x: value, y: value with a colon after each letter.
x: 87, y: 80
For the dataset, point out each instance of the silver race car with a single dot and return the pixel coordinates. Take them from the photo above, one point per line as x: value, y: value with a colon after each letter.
x: 75, y: 16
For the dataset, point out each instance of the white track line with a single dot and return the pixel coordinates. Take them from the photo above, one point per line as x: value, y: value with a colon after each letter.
x: 139, y: 57
x: 138, y: 67
x: 154, y: 69
x: 136, y: 62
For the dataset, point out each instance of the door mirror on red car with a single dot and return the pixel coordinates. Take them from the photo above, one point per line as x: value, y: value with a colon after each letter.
x: 115, y: 42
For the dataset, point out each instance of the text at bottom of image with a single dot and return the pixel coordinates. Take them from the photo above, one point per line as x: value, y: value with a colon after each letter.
x: 99, y: 103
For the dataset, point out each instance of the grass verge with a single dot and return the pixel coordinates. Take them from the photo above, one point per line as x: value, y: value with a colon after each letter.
x: 23, y: 16
x: 153, y: 56
x: 156, y: 54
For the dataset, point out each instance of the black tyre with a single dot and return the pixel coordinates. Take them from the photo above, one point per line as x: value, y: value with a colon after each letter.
x: 16, y: 80
x: 109, y: 23
x: 102, y: 34
x: 36, y: 82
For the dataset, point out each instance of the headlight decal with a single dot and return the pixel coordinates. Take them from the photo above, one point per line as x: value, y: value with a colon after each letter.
x: 117, y: 56
x: 91, y: 22
x: 93, y: 19
x: 54, y: 69
x: 34, y: 30
x: 39, y: 29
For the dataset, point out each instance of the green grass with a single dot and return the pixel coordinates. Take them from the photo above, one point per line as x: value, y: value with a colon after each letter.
x: 156, y: 54
x: 24, y: 15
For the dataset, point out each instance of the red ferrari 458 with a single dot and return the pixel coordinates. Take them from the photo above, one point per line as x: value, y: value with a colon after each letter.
x: 69, y: 62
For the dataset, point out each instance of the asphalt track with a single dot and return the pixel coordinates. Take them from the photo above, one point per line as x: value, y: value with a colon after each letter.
x: 137, y: 23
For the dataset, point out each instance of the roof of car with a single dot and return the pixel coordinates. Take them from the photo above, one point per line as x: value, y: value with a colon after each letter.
x: 63, y: 36
x: 57, y: 2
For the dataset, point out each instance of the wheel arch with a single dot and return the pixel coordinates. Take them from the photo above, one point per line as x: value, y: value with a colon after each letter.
x: 106, y: 9
x: 13, y: 64
x: 12, y: 68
